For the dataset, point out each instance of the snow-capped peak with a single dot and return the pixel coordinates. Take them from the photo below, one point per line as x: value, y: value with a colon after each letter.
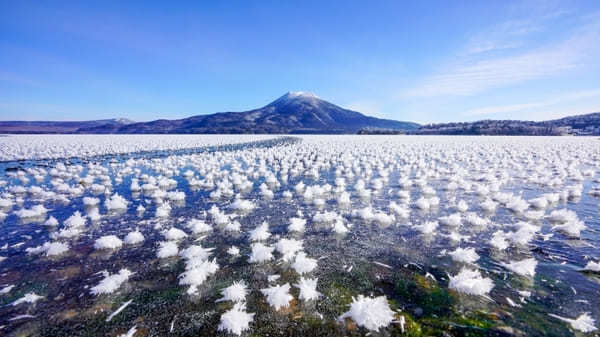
x: 293, y: 97
x: 122, y: 120
x: 305, y: 94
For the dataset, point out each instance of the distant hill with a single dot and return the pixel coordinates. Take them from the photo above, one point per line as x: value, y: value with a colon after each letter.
x: 57, y: 126
x: 294, y: 112
x: 580, y: 125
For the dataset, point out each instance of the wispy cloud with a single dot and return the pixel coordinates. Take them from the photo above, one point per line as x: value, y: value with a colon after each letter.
x: 470, y: 79
x: 538, y: 106
x: 507, y: 35
x: 515, y: 32
x: 485, y: 73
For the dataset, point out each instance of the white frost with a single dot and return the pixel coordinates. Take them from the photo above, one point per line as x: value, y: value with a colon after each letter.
x: 524, y: 267
x: 236, y: 320
x: 133, y: 238
x: 471, y: 282
x: 110, y: 283
x: 108, y: 242
x: 236, y: 292
x: 583, y: 323
x: 308, y: 289
x: 278, y: 296
x: 371, y: 313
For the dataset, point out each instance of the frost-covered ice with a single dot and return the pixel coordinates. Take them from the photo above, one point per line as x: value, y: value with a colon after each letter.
x: 133, y: 238
x: 524, y: 267
x: 167, y: 249
x: 297, y: 225
x: 465, y: 255
x: 198, y: 226
x: 288, y: 248
x: 111, y: 282
x: 471, y: 282
x: 50, y: 249
x: 197, y: 271
x: 116, y: 202
x: 428, y: 227
x: 242, y: 205
x: 15, y: 147
x: 236, y: 292
x: 6, y: 289
x: 308, y: 289
x: 260, y: 233
x: 28, y: 298
x: 592, y: 266
x: 371, y: 313
x: 233, y: 251
x: 278, y: 296
x: 108, y: 242
x: 281, y: 232
x: 236, y: 320
x: 174, y: 234
x: 261, y: 253
x: 583, y: 323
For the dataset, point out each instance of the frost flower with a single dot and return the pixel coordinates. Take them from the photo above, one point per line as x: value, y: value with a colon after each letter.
x: 236, y: 320
x: 371, y: 313
x: 471, y: 282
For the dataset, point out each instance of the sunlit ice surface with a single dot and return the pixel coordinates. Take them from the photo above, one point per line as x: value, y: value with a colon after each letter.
x: 299, y: 235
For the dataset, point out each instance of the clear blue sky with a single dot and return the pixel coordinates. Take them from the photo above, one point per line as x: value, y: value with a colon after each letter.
x: 425, y: 61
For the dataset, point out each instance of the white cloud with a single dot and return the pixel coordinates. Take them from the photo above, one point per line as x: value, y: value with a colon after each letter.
x: 488, y: 46
x: 472, y: 77
x: 469, y: 79
x: 507, y: 35
x: 526, y: 20
x: 550, y: 107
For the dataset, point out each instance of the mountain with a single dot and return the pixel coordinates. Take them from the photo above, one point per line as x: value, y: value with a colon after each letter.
x: 58, y: 126
x: 302, y: 112
x: 294, y: 112
x: 581, y: 125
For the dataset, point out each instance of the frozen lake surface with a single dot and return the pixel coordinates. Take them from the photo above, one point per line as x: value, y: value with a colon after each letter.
x: 302, y: 235
x: 22, y: 147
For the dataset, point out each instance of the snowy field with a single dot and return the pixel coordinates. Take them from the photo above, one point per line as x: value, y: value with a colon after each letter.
x: 19, y: 147
x: 306, y: 236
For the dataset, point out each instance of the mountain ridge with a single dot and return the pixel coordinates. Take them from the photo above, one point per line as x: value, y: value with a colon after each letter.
x: 298, y: 112
x: 581, y: 125
x: 292, y: 113
x: 57, y: 126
